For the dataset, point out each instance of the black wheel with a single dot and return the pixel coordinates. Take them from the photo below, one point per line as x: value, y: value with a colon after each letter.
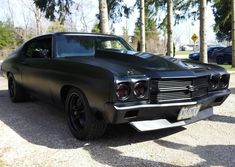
x: 82, y: 121
x: 16, y: 92
x: 220, y: 60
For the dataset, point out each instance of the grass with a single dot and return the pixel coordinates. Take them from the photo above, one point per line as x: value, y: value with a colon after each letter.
x: 182, y: 52
x: 228, y: 67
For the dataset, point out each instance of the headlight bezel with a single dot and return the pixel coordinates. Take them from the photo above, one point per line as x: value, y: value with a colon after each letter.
x: 218, y: 82
x: 131, y: 82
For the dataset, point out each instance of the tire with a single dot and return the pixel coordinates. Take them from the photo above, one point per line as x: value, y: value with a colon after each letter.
x: 16, y: 92
x: 220, y: 60
x: 83, y: 122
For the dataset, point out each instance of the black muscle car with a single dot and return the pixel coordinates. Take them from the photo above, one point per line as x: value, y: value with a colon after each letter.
x: 99, y: 80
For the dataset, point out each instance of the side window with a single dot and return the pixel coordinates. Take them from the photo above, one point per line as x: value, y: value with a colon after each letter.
x: 40, y: 48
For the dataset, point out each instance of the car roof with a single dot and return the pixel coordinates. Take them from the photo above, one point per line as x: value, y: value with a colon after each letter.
x: 79, y: 34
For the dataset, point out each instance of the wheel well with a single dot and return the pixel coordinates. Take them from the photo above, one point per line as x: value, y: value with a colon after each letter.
x: 8, y: 73
x: 64, y: 91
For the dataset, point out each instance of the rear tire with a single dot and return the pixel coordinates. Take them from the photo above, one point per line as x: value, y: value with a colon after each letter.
x: 16, y: 92
x: 220, y: 60
x: 83, y: 122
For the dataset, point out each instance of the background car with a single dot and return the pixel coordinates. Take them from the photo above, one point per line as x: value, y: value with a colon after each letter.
x: 223, y: 56
x: 210, y: 51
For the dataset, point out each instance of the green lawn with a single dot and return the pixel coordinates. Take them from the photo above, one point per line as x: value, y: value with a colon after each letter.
x: 182, y: 52
x: 228, y: 67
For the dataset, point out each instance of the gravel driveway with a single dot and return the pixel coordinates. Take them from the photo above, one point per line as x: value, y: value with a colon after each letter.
x: 36, y: 134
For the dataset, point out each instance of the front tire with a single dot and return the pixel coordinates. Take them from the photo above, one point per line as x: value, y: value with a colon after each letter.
x: 220, y: 60
x: 83, y: 122
x: 16, y: 92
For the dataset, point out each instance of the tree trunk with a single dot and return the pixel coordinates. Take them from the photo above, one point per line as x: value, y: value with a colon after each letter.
x: 203, y: 41
x: 169, y: 28
x: 37, y: 19
x: 233, y: 33
x: 142, y: 26
x: 104, y: 22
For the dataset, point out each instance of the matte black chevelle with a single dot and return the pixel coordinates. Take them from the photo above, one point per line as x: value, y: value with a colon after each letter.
x: 100, y: 80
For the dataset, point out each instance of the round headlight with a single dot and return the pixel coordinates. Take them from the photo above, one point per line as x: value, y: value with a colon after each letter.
x: 224, y: 81
x: 123, y: 91
x: 214, y: 81
x: 140, y: 89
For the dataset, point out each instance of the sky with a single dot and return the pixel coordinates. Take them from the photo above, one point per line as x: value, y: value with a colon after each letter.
x: 182, y: 32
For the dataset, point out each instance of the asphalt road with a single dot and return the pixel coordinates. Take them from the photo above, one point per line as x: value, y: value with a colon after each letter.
x: 36, y: 134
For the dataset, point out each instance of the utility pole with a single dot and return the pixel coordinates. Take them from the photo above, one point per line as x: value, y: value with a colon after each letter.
x: 142, y: 26
x: 203, y: 40
x: 169, y: 28
x: 233, y: 33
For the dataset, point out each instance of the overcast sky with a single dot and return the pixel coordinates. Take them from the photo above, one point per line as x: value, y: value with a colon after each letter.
x: 182, y: 32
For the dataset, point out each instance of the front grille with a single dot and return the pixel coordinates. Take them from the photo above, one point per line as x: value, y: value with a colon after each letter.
x: 177, y: 89
x: 173, y: 84
x: 165, y: 96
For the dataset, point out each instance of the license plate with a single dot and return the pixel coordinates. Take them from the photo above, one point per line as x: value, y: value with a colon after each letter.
x: 188, y: 112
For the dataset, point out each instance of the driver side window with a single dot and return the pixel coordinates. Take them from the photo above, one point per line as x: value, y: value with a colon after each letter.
x: 39, y: 48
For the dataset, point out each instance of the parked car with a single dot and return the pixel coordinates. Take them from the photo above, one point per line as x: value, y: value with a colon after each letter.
x: 99, y: 80
x: 223, y: 56
x: 196, y: 55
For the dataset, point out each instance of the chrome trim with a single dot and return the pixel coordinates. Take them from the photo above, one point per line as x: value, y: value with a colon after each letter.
x: 154, y: 105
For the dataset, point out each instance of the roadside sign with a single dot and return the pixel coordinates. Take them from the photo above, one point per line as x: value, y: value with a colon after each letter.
x: 194, y: 37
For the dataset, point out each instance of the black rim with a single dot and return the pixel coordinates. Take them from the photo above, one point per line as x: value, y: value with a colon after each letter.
x: 77, y: 112
x: 11, y: 87
x: 220, y: 60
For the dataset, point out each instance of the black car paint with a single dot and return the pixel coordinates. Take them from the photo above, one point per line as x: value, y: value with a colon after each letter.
x: 95, y: 76
x: 225, y: 53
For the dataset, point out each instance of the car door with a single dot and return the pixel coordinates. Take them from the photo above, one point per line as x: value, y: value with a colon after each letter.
x: 36, y: 66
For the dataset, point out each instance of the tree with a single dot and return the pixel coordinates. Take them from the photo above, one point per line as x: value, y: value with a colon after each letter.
x: 222, y: 11
x: 142, y: 26
x: 9, y: 38
x: 6, y: 35
x: 203, y: 41
x: 96, y: 28
x: 104, y: 22
x: 151, y: 33
x: 169, y: 27
x: 53, y: 8
x: 56, y: 27
x: 202, y: 5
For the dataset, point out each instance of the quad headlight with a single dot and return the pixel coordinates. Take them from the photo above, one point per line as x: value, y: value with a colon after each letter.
x: 131, y: 89
x: 219, y: 81
x: 214, y: 81
x: 140, y: 89
x: 123, y: 91
x: 224, y: 81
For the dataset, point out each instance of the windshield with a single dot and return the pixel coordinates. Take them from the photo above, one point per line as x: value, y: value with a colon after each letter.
x: 72, y: 45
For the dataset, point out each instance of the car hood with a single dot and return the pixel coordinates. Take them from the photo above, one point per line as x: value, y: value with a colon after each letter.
x: 123, y: 63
